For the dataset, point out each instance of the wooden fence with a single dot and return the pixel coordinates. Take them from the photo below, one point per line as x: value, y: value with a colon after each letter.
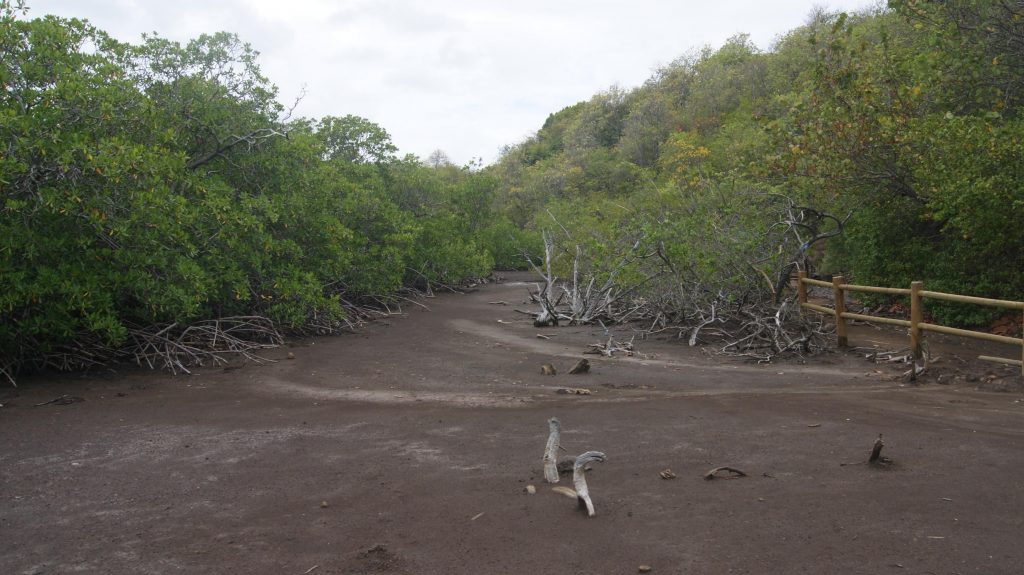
x: 916, y: 322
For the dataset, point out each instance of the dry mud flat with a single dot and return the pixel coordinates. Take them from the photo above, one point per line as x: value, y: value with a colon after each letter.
x: 407, y: 449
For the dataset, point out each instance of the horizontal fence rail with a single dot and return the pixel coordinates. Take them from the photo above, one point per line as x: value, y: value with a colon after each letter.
x: 916, y: 322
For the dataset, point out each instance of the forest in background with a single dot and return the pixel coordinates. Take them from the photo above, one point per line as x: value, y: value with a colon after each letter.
x: 151, y: 187
x: 886, y: 145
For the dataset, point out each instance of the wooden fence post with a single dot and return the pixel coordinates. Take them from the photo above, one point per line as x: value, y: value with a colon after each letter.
x: 801, y: 287
x: 916, y: 315
x: 840, y: 299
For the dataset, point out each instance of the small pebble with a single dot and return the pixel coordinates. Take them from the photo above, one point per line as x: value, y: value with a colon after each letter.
x: 291, y: 355
x: 323, y: 504
x: 531, y: 489
x: 644, y: 568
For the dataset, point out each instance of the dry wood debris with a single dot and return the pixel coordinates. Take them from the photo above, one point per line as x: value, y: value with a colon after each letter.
x: 732, y: 471
x: 573, y: 391
x: 579, y: 479
x: 551, y: 450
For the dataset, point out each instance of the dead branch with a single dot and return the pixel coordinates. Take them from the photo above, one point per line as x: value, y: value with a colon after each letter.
x: 548, y: 315
x: 551, y: 451
x: 62, y: 400
x: 588, y: 303
x: 7, y: 375
x: 797, y: 221
x: 876, y: 458
x: 573, y: 391
x: 251, y: 139
x: 713, y: 474
x: 561, y: 490
x: 611, y: 346
x: 704, y: 322
x: 579, y: 479
x: 876, y: 449
x: 176, y: 349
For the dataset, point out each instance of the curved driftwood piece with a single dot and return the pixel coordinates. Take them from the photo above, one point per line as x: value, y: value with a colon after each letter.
x: 714, y: 473
x: 579, y: 479
x: 564, y: 491
x: 551, y: 452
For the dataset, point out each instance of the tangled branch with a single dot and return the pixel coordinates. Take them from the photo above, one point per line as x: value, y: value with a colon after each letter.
x: 176, y: 349
x: 709, y: 288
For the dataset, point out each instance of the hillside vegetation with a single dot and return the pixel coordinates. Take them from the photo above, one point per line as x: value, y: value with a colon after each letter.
x: 886, y: 145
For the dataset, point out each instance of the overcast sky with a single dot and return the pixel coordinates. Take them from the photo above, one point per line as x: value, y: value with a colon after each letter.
x: 463, y: 76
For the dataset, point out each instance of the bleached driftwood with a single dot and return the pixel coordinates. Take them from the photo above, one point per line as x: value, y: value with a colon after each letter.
x: 545, y: 297
x: 564, y: 491
x: 579, y: 479
x: 551, y: 452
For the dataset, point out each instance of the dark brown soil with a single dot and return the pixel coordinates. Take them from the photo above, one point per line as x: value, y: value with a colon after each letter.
x: 407, y: 449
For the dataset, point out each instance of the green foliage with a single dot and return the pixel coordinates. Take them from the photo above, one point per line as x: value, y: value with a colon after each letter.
x: 508, y: 244
x: 445, y: 254
x: 645, y: 128
x: 900, y: 123
x: 156, y: 184
x: 598, y: 124
x: 728, y: 79
x: 356, y: 140
x: 908, y: 118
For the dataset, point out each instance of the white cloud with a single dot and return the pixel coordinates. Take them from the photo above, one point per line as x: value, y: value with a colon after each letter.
x: 464, y: 76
